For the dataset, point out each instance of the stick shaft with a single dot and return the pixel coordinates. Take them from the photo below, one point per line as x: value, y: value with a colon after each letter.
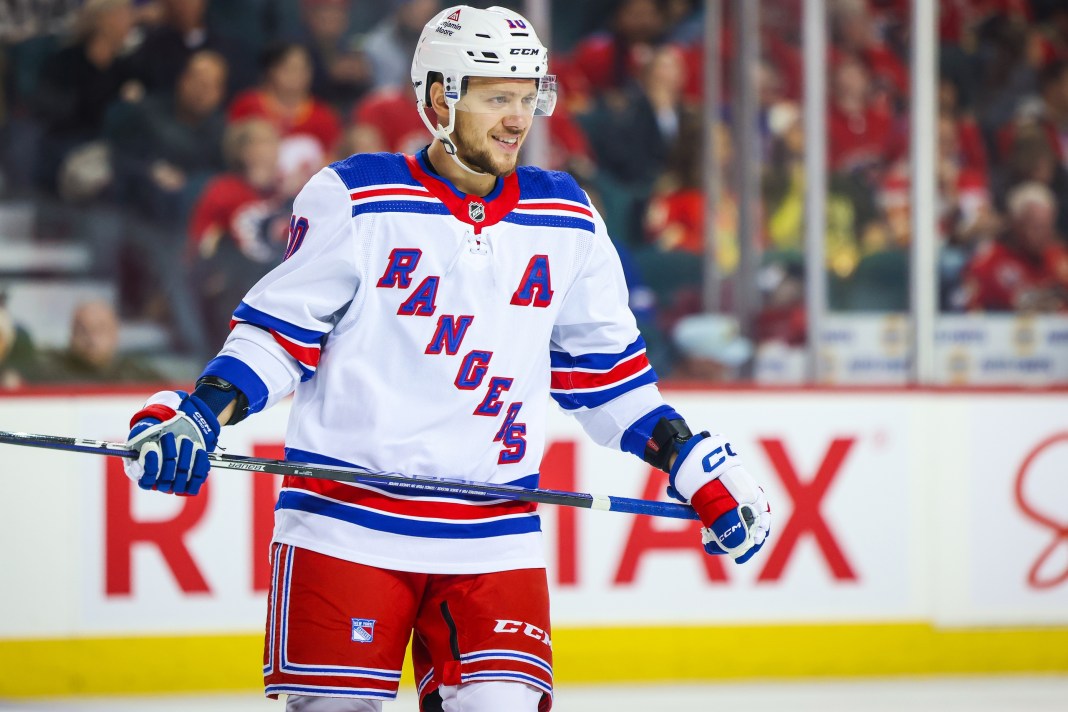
x: 420, y: 484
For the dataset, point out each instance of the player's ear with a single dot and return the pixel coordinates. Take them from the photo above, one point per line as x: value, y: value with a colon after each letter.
x: 437, y: 102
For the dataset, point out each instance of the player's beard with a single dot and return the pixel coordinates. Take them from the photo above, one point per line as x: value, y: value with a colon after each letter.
x: 471, y: 152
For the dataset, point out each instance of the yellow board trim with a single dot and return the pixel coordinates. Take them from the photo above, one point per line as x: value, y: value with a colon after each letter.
x: 583, y: 655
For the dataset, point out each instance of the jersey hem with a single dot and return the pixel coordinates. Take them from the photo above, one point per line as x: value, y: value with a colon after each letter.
x: 410, y: 566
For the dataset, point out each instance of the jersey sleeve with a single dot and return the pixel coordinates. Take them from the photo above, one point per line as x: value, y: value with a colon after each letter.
x: 279, y: 328
x: 600, y: 373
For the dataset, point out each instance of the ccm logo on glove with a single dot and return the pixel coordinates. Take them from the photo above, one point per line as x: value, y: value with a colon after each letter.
x: 709, y: 467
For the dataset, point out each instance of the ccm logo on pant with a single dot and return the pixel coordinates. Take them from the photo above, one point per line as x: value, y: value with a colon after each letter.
x: 504, y: 626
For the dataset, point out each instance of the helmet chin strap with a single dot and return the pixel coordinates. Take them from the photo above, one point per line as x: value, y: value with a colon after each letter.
x: 450, y: 148
x: 442, y: 134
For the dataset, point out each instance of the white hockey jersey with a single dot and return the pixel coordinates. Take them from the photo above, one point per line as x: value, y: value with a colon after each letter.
x: 423, y: 331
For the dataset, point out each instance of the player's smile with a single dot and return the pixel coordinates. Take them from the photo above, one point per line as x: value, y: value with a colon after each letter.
x: 507, y: 142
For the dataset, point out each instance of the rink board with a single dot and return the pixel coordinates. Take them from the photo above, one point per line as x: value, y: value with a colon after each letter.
x: 914, y: 532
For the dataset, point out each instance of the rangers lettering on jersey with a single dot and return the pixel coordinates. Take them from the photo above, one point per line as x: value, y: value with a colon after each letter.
x: 449, y: 334
x: 343, y: 323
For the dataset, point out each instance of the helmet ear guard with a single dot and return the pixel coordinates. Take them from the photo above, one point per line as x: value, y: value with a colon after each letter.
x: 425, y: 107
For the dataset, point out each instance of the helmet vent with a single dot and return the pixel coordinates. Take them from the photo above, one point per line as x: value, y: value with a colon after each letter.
x: 482, y: 34
x: 487, y: 58
x: 520, y: 34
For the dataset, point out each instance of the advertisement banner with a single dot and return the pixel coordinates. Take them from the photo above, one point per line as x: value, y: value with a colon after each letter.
x: 1019, y: 516
x: 969, y: 350
x: 887, y: 507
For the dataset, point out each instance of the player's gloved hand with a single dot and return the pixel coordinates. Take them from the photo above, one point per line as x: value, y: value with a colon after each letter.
x: 173, y: 434
x: 709, y: 475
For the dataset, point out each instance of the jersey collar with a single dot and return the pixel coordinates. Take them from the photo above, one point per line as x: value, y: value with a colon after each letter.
x: 474, y: 210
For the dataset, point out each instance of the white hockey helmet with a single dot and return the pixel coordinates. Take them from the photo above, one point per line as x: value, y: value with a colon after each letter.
x: 462, y: 42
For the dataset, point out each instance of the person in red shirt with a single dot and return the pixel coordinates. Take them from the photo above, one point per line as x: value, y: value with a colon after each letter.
x: 856, y: 35
x: 609, y: 61
x: 238, y: 227
x: 1027, y: 270
x: 386, y: 119
x: 284, y: 98
x: 861, y: 131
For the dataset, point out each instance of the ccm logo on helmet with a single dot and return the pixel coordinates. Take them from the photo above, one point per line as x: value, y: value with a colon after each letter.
x: 525, y: 51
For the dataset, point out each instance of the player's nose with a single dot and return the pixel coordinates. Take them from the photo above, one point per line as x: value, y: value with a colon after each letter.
x: 516, y: 123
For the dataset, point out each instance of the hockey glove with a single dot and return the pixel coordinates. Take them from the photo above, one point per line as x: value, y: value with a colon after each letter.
x: 708, y: 474
x: 173, y: 434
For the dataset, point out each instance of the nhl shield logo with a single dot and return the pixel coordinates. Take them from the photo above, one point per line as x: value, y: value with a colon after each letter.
x: 363, y: 630
x: 477, y: 211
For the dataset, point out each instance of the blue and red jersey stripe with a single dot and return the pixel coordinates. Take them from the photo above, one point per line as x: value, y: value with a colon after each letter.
x: 304, y: 345
x: 590, y: 380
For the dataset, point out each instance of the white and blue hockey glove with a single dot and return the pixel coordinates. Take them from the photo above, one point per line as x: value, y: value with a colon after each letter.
x: 709, y: 475
x: 173, y: 434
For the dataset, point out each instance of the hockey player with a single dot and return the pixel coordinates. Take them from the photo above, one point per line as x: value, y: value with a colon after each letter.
x: 426, y: 309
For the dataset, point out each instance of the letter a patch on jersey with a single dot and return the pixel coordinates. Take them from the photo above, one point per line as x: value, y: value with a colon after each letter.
x: 363, y: 630
x: 536, y: 285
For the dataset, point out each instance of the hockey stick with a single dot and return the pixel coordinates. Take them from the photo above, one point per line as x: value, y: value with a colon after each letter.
x: 423, y: 485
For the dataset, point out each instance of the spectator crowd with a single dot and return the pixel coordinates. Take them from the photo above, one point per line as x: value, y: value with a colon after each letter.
x: 169, y: 138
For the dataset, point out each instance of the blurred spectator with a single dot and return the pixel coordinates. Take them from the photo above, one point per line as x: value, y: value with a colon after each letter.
x: 386, y: 120
x: 1027, y: 269
x: 711, y: 348
x: 1028, y: 159
x: 855, y: 35
x: 93, y: 353
x: 1009, y: 56
x: 959, y: 21
x: 310, y: 129
x: 613, y: 60
x: 340, y: 73
x: 391, y: 44
x: 569, y: 149
x: 966, y: 213
x: 967, y: 136
x: 673, y: 265
x: 633, y: 133
x: 238, y: 228
x: 662, y: 81
x: 782, y: 318
x: 684, y: 21
x: 861, y: 132
x: 18, y: 355
x: 77, y: 85
x: 676, y: 216
x: 165, y: 147
x: 784, y: 199
x: 185, y: 29
x: 1035, y: 144
x: 1053, y: 33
